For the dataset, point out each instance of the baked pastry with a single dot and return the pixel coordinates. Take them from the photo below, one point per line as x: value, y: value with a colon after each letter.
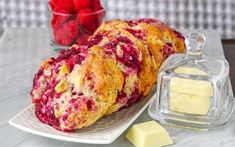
x: 115, y: 68
x: 154, y: 39
x: 75, y: 89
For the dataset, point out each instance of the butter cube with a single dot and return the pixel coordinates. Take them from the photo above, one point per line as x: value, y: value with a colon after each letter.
x: 191, y: 104
x: 190, y: 71
x: 190, y: 96
x: 148, y: 134
x: 193, y: 87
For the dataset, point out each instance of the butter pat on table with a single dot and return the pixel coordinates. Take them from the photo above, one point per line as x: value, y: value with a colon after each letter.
x: 148, y: 134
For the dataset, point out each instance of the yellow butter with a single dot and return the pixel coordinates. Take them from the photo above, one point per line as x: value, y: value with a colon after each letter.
x: 191, y: 104
x: 190, y: 96
x: 148, y: 134
x: 190, y: 71
x: 193, y: 87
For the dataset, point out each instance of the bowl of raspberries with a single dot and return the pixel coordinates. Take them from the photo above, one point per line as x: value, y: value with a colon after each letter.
x: 72, y: 21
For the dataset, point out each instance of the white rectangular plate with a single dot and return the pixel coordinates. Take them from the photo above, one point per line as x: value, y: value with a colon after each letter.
x: 104, y: 131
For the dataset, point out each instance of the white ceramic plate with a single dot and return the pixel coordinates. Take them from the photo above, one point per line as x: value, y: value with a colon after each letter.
x: 104, y: 131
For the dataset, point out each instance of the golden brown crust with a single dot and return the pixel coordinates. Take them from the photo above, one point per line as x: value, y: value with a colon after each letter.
x: 111, y: 25
x: 116, y: 68
x: 157, y: 34
x: 108, y: 79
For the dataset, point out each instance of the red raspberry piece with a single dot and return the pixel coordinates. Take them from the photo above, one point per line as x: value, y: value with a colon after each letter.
x: 62, y: 38
x: 67, y: 5
x: 72, y: 28
x: 88, y: 20
x: 140, y: 34
x: 81, y: 4
x: 86, y: 16
x: 90, y: 104
x: 90, y: 29
x: 96, y: 5
x: 58, y: 20
x: 82, y: 39
x: 168, y: 50
x: 62, y: 5
x: 52, y: 4
x: 135, y: 97
x: 130, y: 56
x: 61, y: 11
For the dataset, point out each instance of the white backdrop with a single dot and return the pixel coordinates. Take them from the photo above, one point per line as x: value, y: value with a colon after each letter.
x: 182, y: 14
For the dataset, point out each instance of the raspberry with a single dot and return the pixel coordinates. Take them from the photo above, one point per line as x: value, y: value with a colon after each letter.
x: 90, y: 104
x: 87, y: 20
x: 122, y: 97
x: 58, y: 20
x: 140, y: 34
x: 94, y: 41
x: 168, y: 50
x: 62, y: 38
x: 52, y: 4
x: 96, y: 5
x: 81, y: 39
x: 85, y: 16
x: 147, y: 20
x: 90, y: 29
x: 135, y: 97
x: 81, y: 4
x: 61, y: 10
x: 67, y: 5
x: 130, y: 56
x: 72, y: 28
x: 62, y: 5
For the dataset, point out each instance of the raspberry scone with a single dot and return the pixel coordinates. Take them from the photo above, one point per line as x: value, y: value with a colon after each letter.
x: 116, y: 67
x: 75, y: 89
x: 131, y: 57
x: 154, y: 39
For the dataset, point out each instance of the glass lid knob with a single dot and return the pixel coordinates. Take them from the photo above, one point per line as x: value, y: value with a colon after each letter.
x: 195, y: 43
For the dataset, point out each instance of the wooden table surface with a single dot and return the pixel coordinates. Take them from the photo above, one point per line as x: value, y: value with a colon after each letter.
x: 229, y: 50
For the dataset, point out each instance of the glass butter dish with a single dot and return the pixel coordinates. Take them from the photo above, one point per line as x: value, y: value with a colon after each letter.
x: 193, y: 89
